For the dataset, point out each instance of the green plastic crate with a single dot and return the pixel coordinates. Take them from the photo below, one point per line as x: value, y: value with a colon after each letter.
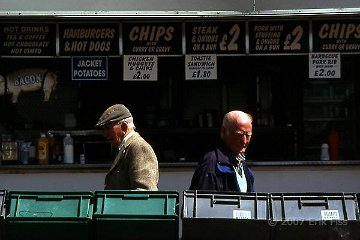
x: 49, y: 215
x: 2, y: 213
x: 225, y: 215
x: 120, y: 214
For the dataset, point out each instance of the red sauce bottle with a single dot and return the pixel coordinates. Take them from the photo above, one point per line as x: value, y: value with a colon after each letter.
x: 333, y: 140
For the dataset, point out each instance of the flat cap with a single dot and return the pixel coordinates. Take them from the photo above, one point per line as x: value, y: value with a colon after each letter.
x: 116, y: 112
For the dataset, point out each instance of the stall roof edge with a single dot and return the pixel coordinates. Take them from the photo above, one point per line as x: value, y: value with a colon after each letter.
x: 181, y: 14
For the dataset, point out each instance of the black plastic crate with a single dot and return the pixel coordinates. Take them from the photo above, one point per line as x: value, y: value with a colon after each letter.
x: 225, y: 215
x: 314, y: 216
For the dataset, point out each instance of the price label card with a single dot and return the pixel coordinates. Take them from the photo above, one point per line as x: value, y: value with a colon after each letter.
x: 140, y: 67
x: 241, y: 214
x: 201, y: 67
x: 324, y: 65
x: 330, y: 215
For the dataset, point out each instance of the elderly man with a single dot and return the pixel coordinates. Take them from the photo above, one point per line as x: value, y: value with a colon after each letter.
x: 135, y: 166
x: 224, y: 167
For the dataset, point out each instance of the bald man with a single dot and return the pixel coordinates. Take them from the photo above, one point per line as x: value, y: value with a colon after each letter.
x: 224, y: 168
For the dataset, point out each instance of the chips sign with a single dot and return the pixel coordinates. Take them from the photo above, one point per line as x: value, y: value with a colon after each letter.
x: 336, y: 35
x: 163, y: 38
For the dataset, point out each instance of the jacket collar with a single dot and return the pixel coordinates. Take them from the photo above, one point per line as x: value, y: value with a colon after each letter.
x: 122, y: 149
x: 123, y: 144
x: 228, y: 157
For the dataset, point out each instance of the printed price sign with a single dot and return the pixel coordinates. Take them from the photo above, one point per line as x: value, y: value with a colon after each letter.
x: 279, y: 37
x: 140, y: 67
x: 201, y: 67
x: 215, y: 37
x: 324, y: 65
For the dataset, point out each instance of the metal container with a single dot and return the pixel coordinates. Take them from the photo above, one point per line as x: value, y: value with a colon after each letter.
x: 9, y: 148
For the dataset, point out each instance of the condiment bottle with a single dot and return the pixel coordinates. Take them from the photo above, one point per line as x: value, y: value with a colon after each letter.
x: 333, y: 140
x: 68, y: 149
x: 43, y: 149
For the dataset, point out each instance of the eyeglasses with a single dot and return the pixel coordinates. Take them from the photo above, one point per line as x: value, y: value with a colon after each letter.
x: 243, y: 134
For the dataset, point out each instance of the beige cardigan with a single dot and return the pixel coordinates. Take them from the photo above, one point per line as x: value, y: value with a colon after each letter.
x: 135, y: 168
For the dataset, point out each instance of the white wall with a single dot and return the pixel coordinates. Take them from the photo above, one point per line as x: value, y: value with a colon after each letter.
x: 267, y: 179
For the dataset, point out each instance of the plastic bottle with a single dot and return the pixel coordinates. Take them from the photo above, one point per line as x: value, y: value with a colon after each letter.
x: 43, y: 149
x: 324, y: 152
x: 51, y: 139
x: 68, y: 149
x: 333, y: 140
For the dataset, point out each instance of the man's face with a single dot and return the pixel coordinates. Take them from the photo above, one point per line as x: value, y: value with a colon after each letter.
x: 238, y: 136
x: 112, y: 132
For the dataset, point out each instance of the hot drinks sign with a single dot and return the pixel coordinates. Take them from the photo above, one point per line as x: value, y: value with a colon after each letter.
x: 33, y: 39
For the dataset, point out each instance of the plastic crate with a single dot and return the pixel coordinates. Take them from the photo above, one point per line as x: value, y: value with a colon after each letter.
x: 2, y: 213
x: 225, y: 215
x: 120, y: 214
x: 313, y: 216
x: 49, y: 215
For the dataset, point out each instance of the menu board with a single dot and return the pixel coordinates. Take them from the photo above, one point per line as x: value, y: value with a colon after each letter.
x: 278, y: 37
x: 89, y: 68
x: 336, y: 35
x: 161, y: 38
x: 27, y: 39
x: 84, y: 39
x: 215, y: 37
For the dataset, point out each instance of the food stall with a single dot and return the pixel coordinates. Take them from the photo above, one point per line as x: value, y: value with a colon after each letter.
x: 293, y: 68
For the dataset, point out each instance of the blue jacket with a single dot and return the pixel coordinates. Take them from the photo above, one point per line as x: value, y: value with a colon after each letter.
x: 215, y: 172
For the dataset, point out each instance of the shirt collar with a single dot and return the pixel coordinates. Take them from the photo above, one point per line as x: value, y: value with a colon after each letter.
x: 239, y: 159
x: 122, y: 144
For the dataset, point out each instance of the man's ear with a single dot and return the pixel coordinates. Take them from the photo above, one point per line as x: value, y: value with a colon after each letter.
x: 123, y: 126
